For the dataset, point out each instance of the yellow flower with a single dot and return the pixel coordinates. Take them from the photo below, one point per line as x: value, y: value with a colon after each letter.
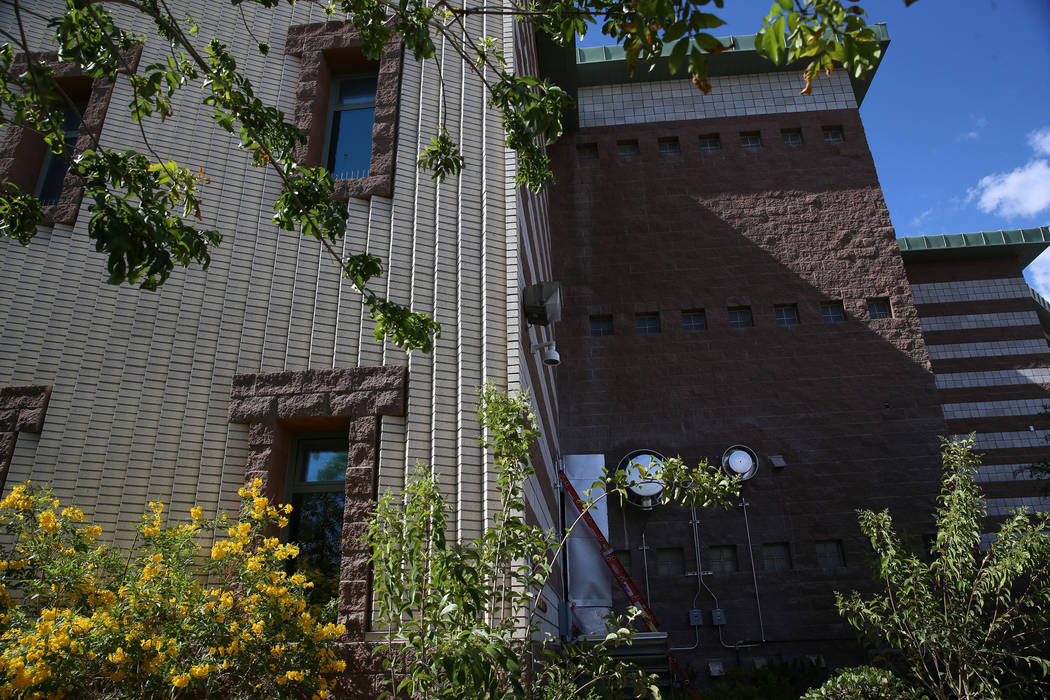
x: 118, y: 656
x: 48, y: 522
x: 181, y: 680
x: 196, y: 512
x: 92, y: 531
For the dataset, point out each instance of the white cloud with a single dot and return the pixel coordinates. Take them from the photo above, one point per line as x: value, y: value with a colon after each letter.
x: 1039, y: 140
x: 1038, y: 274
x: 975, y: 131
x: 1024, y: 191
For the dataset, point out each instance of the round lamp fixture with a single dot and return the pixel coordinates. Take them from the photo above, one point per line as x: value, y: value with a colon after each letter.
x: 643, y: 490
x: 740, y: 461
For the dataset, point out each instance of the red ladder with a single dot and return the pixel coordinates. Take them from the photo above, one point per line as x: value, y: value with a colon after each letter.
x: 634, y: 596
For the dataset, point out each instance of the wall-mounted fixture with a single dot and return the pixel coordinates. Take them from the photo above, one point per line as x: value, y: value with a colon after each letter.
x: 542, y: 303
x: 740, y: 461
x: 548, y: 353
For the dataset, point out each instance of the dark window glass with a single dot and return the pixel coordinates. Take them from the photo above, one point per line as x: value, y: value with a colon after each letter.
x: 722, y: 558
x: 350, y: 138
x: 669, y: 146
x: 587, y: 151
x: 750, y: 139
x: 832, y: 312
x: 316, y: 492
x: 740, y: 317
x: 710, y: 142
x: 627, y: 149
x: 601, y: 325
x: 829, y: 554
x: 645, y: 324
x: 879, y: 308
x: 786, y: 314
x: 792, y: 137
x: 833, y: 134
x: 776, y: 556
x: 53, y: 173
x: 694, y: 320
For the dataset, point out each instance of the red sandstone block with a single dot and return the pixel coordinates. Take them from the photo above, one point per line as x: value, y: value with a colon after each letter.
x: 260, y: 409
x: 302, y: 406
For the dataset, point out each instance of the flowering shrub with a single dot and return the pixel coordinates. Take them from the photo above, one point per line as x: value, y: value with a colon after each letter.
x: 79, y: 618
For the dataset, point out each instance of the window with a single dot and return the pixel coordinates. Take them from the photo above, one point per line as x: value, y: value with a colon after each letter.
x: 669, y: 146
x: 722, y: 558
x: 829, y: 554
x: 832, y: 312
x: 792, y: 137
x: 587, y: 151
x: 601, y: 325
x: 776, y: 556
x: 750, y: 139
x: 350, y: 133
x: 694, y: 320
x: 627, y: 149
x: 879, y: 308
x: 710, y: 142
x: 740, y: 317
x: 670, y: 562
x: 786, y: 314
x: 53, y: 171
x: 833, y: 134
x: 646, y: 324
x: 346, y: 105
x: 316, y: 492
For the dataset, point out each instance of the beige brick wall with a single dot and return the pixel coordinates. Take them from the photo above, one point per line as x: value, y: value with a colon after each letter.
x: 142, y: 379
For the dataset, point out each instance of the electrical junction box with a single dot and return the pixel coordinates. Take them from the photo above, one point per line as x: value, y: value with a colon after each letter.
x: 718, y: 617
x: 696, y: 618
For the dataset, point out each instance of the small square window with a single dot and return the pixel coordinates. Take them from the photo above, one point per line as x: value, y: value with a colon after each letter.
x: 627, y: 149
x: 832, y: 312
x: 670, y: 562
x: 722, y: 558
x: 786, y: 314
x: 792, y: 137
x: 740, y: 317
x: 776, y: 556
x: 833, y: 134
x: 710, y: 142
x: 669, y: 146
x: 646, y: 324
x: 694, y: 320
x: 587, y: 151
x: 750, y: 139
x: 601, y: 325
x: 879, y: 308
x: 829, y: 554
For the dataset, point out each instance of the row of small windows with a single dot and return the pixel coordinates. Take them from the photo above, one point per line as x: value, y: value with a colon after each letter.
x: 670, y: 145
x: 740, y: 317
x: 724, y: 559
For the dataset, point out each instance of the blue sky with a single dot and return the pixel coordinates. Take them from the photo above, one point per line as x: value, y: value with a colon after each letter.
x: 958, y: 114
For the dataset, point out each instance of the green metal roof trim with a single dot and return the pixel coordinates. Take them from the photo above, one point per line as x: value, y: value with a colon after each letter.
x: 606, y: 65
x: 1025, y: 244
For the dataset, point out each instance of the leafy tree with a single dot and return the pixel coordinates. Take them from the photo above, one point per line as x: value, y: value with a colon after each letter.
x: 963, y: 623
x: 145, y: 208
x: 460, y: 618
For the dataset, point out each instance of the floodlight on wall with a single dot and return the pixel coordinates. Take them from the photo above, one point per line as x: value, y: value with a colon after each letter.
x: 548, y: 352
x: 542, y: 303
x: 740, y: 461
x: 643, y: 470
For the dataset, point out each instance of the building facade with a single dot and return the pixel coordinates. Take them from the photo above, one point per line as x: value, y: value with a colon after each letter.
x: 729, y: 277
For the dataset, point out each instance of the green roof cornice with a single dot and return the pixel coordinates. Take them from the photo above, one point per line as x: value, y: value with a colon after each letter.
x: 607, y: 65
x: 1024, y: 244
